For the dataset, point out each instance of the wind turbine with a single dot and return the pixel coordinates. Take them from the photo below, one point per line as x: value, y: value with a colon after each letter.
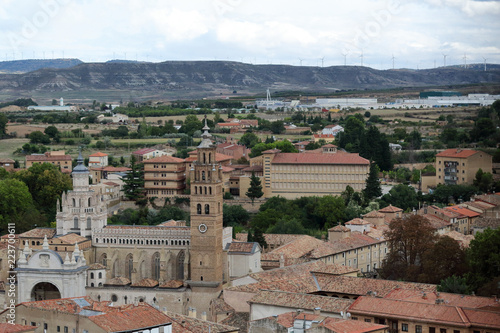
x: 300, y: 61
x: 465, y: 60
x: 345, y: 58
x: 393, y: 61
x: 484, y: 64
x: 444, y: 57
x: 322, y: 61
x: 361, y: 56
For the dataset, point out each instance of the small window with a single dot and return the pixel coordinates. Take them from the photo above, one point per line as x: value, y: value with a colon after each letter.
x: 114, y: 298
x: 59, y: 328
x: 354, y: 318
x: 442, y: 330
x: 418, y: 328
x: 65, y: 329
x: 456, y: 331
x: 404, y: 327
x: 368, y: 320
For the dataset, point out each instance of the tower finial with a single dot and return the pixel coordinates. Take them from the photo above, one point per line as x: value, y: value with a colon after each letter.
x: 45, y: 245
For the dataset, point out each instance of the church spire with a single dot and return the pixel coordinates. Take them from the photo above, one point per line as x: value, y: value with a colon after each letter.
x: 207, y: 141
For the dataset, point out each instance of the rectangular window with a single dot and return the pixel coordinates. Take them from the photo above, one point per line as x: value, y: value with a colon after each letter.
x: 65, y: 329
x: 456, y: 331
x: 59, y: 328
x: 418, y: 328
x: 442, y: 330
x: 368, y: 320
x: 404, y: 327
x: 354, y: 318
x: 432, y: 330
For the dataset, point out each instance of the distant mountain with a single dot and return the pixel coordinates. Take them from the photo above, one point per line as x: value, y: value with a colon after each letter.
x: 25, y: 66
x: 208, y: 78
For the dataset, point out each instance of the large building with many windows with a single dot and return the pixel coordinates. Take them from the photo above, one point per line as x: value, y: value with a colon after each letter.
x: 459, y: 166
x: 328, y: 172
x: 164, y: 176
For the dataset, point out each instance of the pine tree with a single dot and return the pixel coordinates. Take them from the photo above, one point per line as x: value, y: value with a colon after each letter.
x: 372, y: 189
x: 133, y: 188
x: 255, y: 189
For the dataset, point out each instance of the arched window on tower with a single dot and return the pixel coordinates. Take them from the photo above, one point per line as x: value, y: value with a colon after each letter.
x: 204, y: 158
x: 75, y: 223
x: 207, y: 209
x: 89, y: 222
x: 196, y: 190
x: 210, y: 190
x: 198, y: 208
x: 209, y: 157
x: 203, y: 175
x: 74, y: 202
x: 90, y: 202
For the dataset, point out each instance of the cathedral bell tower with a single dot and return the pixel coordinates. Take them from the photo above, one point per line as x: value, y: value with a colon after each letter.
x: 206, y: 217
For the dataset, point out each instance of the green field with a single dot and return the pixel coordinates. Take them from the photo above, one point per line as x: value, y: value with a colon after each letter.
x: 8, y: 146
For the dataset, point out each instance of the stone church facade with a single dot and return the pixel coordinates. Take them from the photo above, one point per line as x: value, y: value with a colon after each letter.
x: 171, y: 266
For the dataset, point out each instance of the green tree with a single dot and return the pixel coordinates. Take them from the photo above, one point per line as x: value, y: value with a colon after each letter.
x: 402, y: 196
x: 483, y: 257
x: 249, y: 140
x: 277, y: 127
x: 191, y: 125
x: 454, y: 284
x: 51, y: 131
x: 255, y: 189
x: 331, y: 210
x: 287, y: 226
x: 408, y: 239
x: 46, y: 184
x: 235, y: 215
x: 16, y: 206
x: 483, y: 181
x: 39, y: 137
x: 372, y: 189
x: 133, y: 187
x: 414, y: 139
x: 3, y: 125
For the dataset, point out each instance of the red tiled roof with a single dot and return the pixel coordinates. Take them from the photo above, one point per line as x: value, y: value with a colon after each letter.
x: 187, y: 324
x: 449, y: 299
x: 357, y: 221
x: 356, y: 240
x: 39, y: 233
x: 172, y: 284
x: 428, y: 313
x: 98, y: 154
x: 164, y: 159
x: 436, y: 222
x: 241, y: 247
x: 458, y: 153
x: 299, y: 158
x: 143, y: 151
x: 350, y: 326
x: 131, y: 318
x: 296, y: 248
x: 301, y: 301
x: 72, y: 238
x: 339, y: 228
x: 97, y: 266
x: 146, y: 283
x: 16, y: 328
x: 374, y: 213
x: 111, y: 184
x: 118, y: 281
x: 390, y: 209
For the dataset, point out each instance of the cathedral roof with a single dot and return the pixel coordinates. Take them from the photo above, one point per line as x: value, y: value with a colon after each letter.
x: 172, y: 284
x: 118, y: 281
x: 148, y: 283
x: 39, y: 233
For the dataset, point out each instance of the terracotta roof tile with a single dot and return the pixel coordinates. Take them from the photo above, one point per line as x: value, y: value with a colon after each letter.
x: 340, y: 228
x: 40, y: 158
x: 356, y: 240
x: 39, y: 233
x: 350, y: 326
x: 463, y: 240
x: 241, y: 247
x: 188, y: 324
x: 118, y: 281
x: 145, y: 283
x: 436, y: 222
x: 458, y: 153
x: 98, y: 154
x: 450, y: 299
x: 361, y: 286
x: 428, y: 313
x: 96, y: 266
x: 301, y: 301
x: 374, y: 213
x: 172, y: 284
x: 131, y: 318
x: 299, y: 247
x: 319, y: 158
x: 72, y: 238
x: 357, y: 221
x: 143, y: 151
x: 487, y: 222
x: 390, y: 209
x: 16, y: 328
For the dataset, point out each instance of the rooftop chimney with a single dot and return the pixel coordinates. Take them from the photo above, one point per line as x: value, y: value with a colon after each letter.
x: 317, y: 311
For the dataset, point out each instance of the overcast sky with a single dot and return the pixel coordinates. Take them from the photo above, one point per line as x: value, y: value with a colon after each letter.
x: 412, y: 33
